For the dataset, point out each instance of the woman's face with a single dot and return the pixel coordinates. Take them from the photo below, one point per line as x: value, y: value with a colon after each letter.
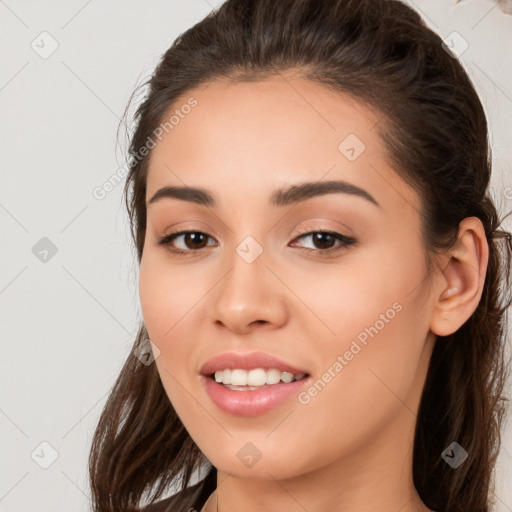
x: 355, y: 318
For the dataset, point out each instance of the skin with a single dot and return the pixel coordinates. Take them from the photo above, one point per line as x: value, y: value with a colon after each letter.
x: 350, y: 448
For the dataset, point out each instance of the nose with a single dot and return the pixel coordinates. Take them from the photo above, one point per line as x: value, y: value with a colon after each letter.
x: 249, y: 296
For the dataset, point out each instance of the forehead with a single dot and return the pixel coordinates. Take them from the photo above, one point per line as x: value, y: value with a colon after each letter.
x: 264, y: 134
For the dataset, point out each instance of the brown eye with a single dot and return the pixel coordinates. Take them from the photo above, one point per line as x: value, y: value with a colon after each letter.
x: 325, y: 241
x: 192, y: 241
x: 195, y: 240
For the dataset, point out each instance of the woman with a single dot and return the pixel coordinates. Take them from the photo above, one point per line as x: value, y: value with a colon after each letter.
x: 322, y: 275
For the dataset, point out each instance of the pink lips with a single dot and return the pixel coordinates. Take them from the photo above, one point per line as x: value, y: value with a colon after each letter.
x: 254, y: 402
x: 248, y: 361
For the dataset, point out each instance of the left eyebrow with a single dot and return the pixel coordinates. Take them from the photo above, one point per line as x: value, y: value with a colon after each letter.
x: 281, y: 197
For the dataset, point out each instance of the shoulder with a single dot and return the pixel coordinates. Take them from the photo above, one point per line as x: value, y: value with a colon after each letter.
x: 191, y: 499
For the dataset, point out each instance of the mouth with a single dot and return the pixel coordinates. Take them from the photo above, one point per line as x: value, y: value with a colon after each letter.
x: 251, y: 383
x: 248, y: 400
x: 239, y: 379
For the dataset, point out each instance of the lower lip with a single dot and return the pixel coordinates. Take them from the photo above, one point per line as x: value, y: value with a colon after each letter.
x: 251, y: 403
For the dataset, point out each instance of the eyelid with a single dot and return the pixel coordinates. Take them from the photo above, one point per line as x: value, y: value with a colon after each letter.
x: 185, y: 226
x: 341, y: 237
x: 321, y: 226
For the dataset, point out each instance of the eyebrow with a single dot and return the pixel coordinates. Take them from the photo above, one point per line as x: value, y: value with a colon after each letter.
x: 281, y: 197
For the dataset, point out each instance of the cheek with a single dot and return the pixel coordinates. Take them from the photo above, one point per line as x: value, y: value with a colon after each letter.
x: 363, y: 386
x: 167, y: 293
x: 153, y: 299
x: 172, y: 299
x: 354, y: 297
x: 167, y: 296
x: 380, y: 320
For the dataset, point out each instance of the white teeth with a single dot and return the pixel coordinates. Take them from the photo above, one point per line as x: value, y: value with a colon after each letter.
x: 273, y: 376
x: 238, y: 378
x: 255, y: 378
x: 286, y: 377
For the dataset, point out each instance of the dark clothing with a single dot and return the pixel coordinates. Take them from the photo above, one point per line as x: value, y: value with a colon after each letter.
x: 191, y: 500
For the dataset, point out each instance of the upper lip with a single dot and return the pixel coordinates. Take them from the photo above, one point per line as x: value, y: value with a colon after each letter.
x: 247, y: 361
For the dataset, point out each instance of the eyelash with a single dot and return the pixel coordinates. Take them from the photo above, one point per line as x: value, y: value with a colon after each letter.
x: 344, y: 240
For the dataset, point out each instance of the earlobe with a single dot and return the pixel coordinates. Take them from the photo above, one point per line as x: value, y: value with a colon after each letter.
x: 461, y: 280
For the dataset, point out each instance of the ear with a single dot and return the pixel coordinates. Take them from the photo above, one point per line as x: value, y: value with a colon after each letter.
x: 460, y: 283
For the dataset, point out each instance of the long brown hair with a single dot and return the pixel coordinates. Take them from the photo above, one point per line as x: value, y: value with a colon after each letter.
x: 435, y: 132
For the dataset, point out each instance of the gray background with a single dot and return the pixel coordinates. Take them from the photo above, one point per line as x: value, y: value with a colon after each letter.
x: 68, y: 322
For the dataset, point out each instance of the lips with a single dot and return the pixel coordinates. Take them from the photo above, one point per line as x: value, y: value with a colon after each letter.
x: 252, y: 403
x: 248, y: 361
